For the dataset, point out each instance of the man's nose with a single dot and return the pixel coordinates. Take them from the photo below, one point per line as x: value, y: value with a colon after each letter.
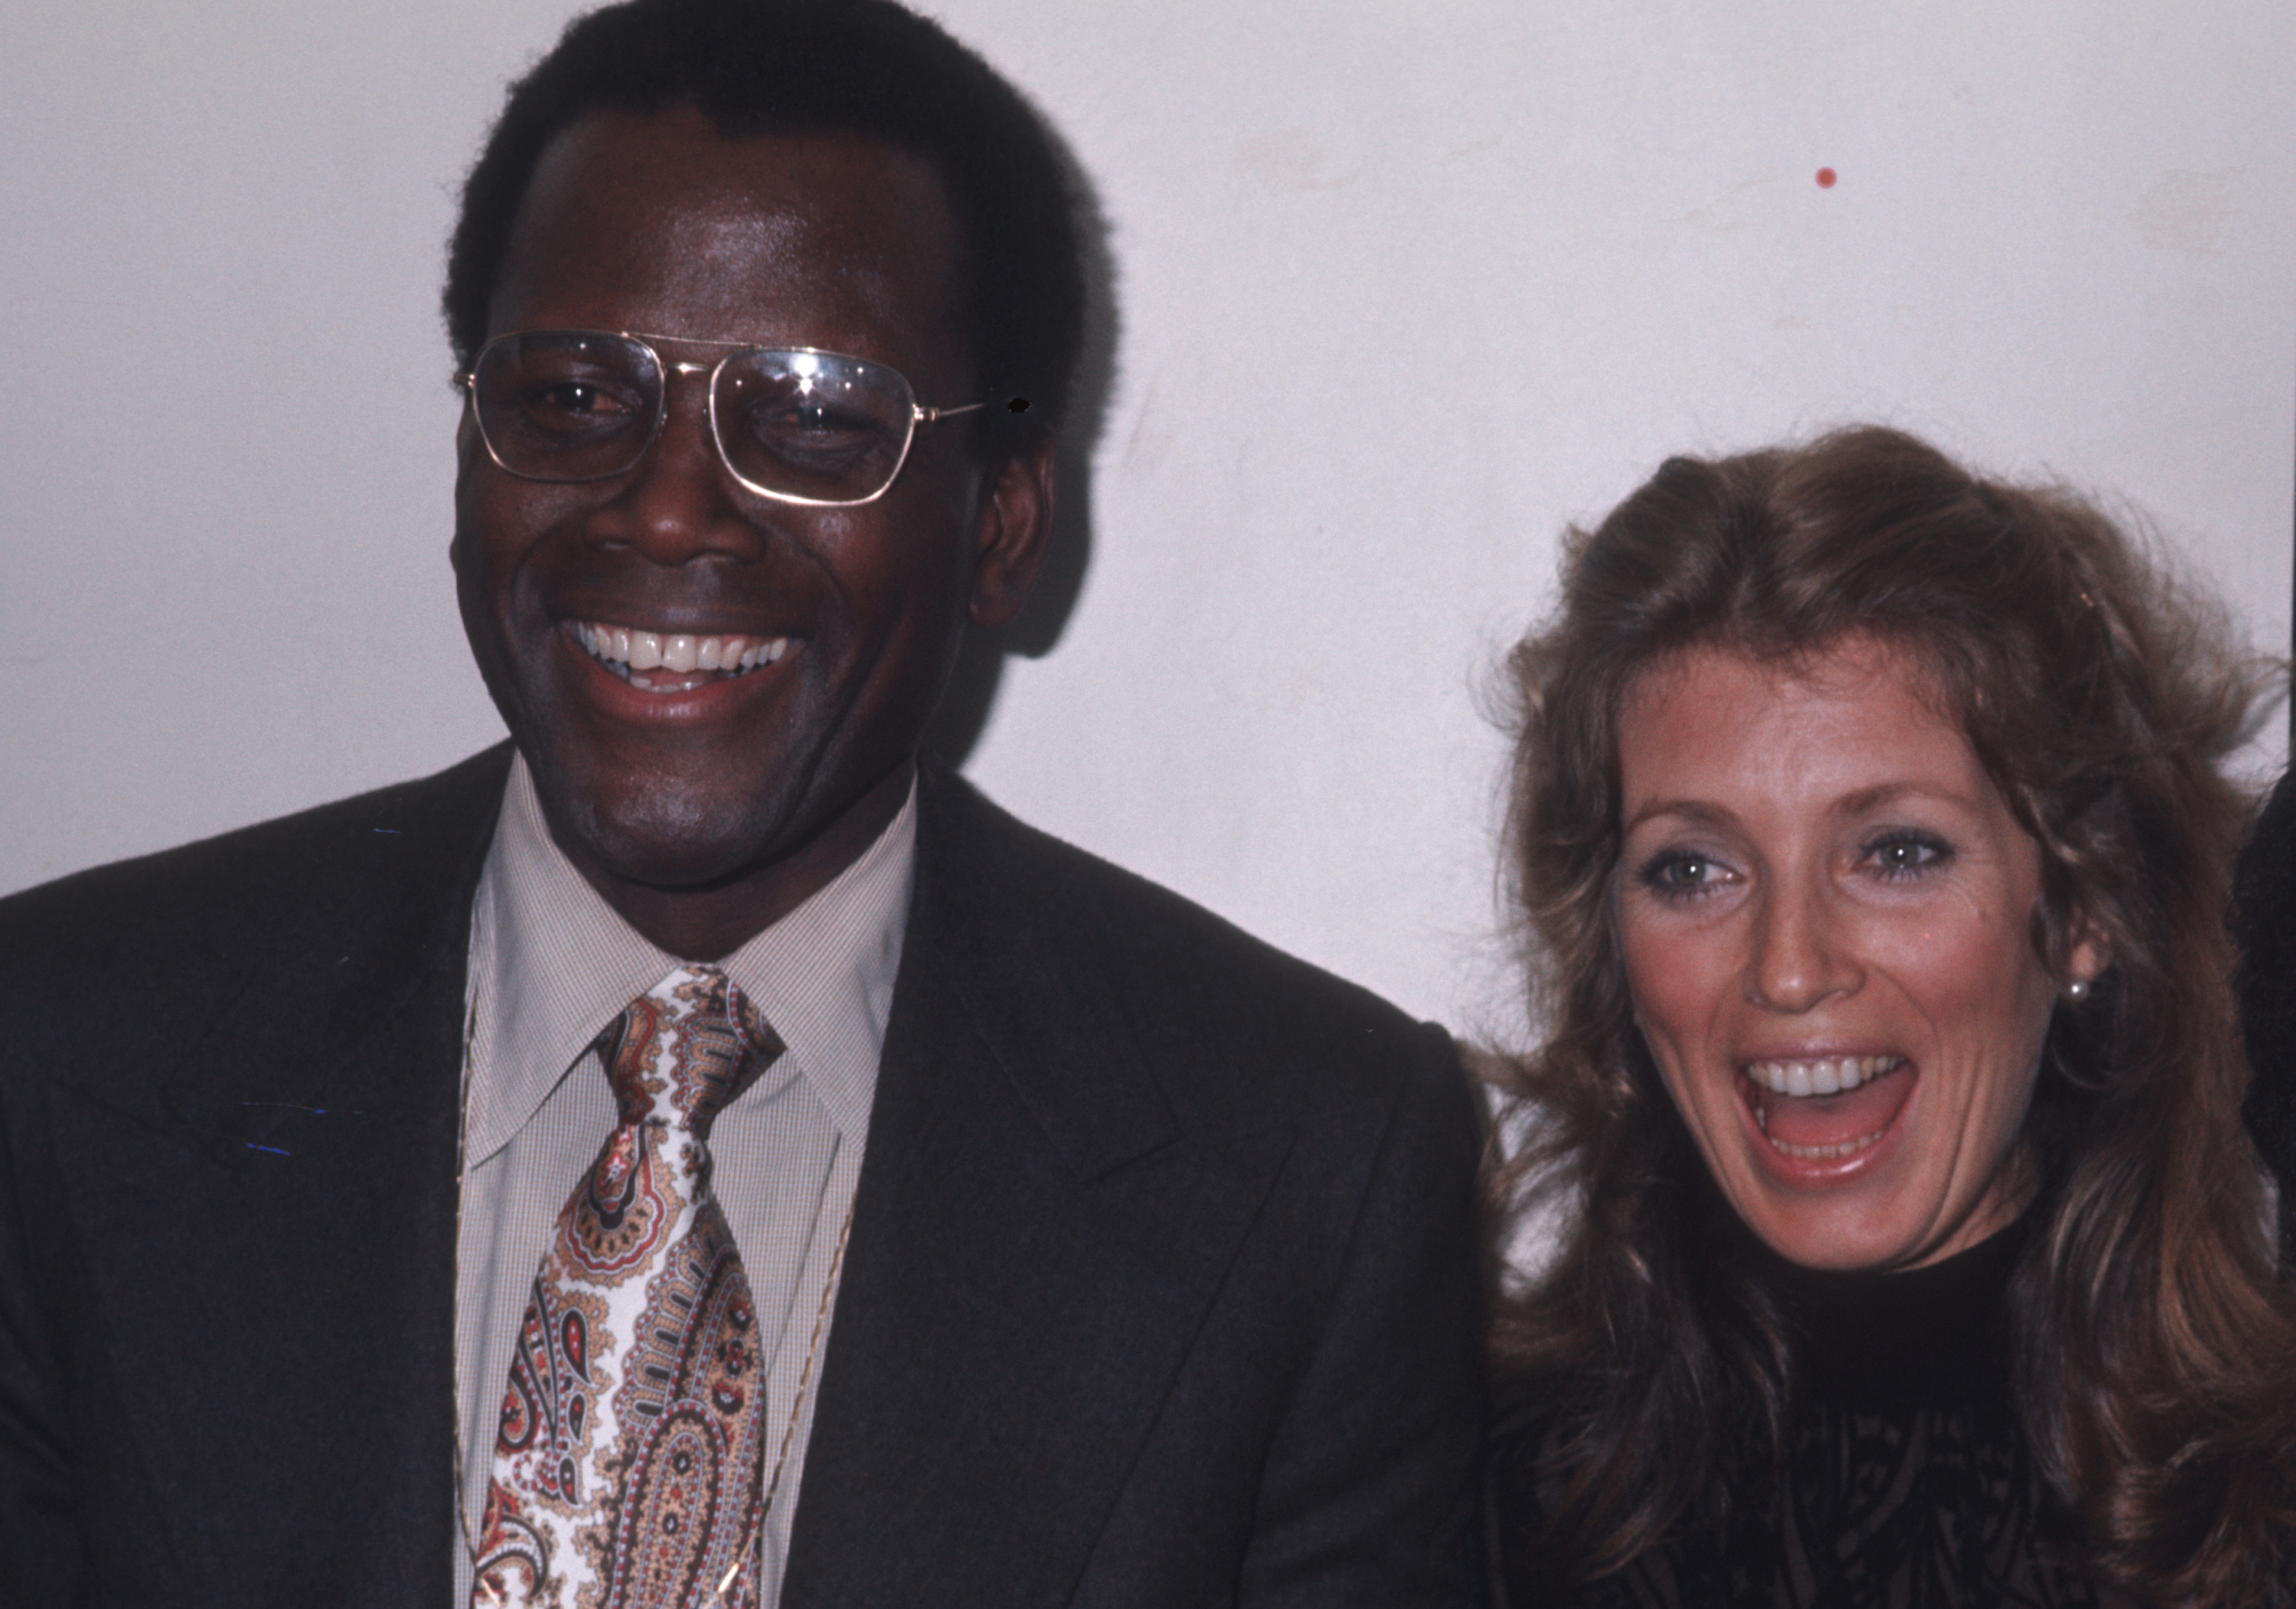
x: 1798, y: 957
x: 680, y: 502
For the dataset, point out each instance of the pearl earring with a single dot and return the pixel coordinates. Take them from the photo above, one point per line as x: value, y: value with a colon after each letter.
x: 2077, y: 990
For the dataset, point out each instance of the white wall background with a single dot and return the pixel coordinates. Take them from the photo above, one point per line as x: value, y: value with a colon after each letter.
x: 1403, y: 286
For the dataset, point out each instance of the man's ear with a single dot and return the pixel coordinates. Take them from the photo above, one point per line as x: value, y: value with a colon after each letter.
x: 1016, y: 532
x: 466, y: 426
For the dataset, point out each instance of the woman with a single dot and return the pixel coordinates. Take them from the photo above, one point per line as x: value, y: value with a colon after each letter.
x: 1867, y: 819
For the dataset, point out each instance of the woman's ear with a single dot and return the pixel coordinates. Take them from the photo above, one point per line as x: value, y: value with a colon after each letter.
x: 2091, y: 954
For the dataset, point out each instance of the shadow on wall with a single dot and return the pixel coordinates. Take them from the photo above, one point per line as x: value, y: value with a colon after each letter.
x: 980, y: 662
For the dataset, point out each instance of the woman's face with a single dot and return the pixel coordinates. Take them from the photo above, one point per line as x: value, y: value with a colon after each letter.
x: 1826, y: 911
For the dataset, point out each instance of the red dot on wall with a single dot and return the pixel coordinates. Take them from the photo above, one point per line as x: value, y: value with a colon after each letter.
x: 1825, y: 178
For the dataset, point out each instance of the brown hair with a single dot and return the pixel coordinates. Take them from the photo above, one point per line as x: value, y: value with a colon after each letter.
x: 2155, y: 1332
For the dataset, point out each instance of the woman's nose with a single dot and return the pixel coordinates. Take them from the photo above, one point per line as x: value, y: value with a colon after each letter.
x: 1798, y: 958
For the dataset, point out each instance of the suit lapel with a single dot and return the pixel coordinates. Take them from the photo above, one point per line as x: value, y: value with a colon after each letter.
x: 292, y: 1205
x: 1037, y: 1239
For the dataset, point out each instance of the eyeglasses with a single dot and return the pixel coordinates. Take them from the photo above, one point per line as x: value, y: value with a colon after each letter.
x: 793, y: 423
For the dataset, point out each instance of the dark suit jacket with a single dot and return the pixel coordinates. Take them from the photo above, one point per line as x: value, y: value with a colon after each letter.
x: 2264, y: 919
x: 1161, y: 1285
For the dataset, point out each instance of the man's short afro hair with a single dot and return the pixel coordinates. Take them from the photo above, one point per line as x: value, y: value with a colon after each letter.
x: 863, y: 67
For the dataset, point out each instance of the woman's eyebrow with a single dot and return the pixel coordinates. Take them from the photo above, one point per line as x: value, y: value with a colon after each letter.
x: 1696, y: 811
x: 1882, y: 795
x: 1862, y: 801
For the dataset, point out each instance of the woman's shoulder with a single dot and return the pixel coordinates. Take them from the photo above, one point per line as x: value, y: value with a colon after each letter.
x: 1878, y: 1502
x: 1532, y: 1418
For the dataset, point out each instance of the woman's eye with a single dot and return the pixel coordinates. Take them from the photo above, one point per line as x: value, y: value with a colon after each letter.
x: 1683, y: 873
x: 1907, y: 855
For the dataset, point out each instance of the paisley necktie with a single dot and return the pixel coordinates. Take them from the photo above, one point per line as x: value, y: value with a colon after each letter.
x: 628, y: 1469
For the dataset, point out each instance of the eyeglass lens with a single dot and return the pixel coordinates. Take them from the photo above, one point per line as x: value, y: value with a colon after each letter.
x: 570, y: 405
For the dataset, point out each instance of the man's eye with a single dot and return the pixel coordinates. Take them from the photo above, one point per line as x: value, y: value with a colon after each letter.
x: 809, y: 434
x: 573, y: 398
x: 814, y: 424
x: 578, y: 404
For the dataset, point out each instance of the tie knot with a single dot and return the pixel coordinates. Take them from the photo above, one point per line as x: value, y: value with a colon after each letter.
x: 685, y: 1049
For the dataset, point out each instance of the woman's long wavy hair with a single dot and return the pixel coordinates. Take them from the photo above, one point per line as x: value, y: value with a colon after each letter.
x: 2154, y: 1330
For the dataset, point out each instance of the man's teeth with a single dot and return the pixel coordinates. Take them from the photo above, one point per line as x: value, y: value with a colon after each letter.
x: 627, y: 652
x: 1827, y: 1075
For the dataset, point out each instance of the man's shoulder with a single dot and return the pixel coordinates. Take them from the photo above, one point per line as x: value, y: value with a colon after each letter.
x: 376, y: 860
x: 1043, y: 917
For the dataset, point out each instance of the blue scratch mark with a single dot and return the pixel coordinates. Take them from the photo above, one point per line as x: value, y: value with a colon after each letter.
x: 275, y: 1150
x: 291, y: 1105
x: 392, y: 831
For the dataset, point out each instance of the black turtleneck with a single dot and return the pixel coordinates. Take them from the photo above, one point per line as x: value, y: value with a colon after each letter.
x: 1905, y: 1479
x: 1936, y: 1337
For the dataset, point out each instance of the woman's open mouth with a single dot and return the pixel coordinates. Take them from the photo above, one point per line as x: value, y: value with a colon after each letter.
x: 1825, y: 1108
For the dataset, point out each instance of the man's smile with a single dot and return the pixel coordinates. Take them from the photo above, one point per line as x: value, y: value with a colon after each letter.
x: 675, y: 661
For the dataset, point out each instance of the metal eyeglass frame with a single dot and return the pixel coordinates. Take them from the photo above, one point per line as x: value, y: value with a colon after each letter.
x: 919, y: 414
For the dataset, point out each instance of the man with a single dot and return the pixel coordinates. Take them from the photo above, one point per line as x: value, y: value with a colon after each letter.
x: 1045, y: 1241
x: 2264, y: 919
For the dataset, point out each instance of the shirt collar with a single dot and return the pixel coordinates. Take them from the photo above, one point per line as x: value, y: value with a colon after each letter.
x: 552, y: 964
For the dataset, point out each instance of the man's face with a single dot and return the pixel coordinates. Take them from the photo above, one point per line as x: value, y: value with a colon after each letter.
x: 705, y: 779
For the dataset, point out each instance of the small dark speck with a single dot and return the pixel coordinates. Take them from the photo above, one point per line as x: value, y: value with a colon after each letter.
x: 1019, y: 404
x: 275, y: 1150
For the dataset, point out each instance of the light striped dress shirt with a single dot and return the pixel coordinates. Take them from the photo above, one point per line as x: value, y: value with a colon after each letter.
x: 551, y: 965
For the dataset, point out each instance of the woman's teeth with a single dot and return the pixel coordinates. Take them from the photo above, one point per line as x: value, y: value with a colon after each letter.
x: 1824, y: 1153
x: 1826, y: 1075
x: 629, y: 653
